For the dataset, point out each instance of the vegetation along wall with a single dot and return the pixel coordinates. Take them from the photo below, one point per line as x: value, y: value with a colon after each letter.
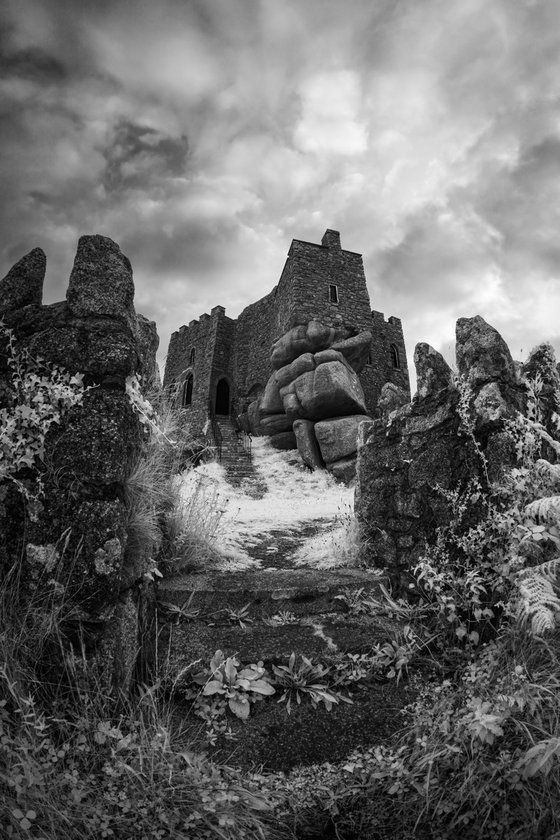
x: 71, y: 375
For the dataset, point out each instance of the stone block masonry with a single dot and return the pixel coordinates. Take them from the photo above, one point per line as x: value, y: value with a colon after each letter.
x: 229, y: 360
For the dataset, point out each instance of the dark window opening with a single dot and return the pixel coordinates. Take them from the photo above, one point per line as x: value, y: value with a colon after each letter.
x: 222, y: 397
x: 369, y: 359
x: 333, y: 293
x: 187, y: 391
x: 395, y: 359
x: 191, y: 357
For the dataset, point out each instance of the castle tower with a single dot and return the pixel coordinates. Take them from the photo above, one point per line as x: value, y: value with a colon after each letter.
x: 219, y: 365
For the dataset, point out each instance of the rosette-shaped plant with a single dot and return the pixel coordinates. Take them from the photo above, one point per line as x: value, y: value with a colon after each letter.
x: 239, y: 687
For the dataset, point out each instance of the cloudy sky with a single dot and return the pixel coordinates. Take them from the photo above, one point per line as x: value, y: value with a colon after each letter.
x: 203, y: 135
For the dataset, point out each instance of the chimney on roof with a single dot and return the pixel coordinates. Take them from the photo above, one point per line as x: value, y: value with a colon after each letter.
x: 331, y: 239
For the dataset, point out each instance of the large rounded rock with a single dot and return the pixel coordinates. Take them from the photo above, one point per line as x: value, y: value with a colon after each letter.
x: 23, y: 284
x: 305, y: 338
x: 338, y: 438
x: 331, y: 390
x: 272, y: 424
x: 101, y: 282
x: 299, y: 366
x: 307, y: 444
x: 355, y: 349
x: 271, y: 401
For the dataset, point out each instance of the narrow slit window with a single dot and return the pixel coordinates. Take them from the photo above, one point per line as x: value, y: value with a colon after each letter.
x: 395, y: 358
x: 187, y: 391
x: 191, y: 357
x: 333, y: 293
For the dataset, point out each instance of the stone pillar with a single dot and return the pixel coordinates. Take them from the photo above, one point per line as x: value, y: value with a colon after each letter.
x: 77, y: 534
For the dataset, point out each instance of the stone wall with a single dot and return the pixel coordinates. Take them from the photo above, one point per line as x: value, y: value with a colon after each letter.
x: 212, y: 337
x: 256, y: 330
x: 78, y: 532
x: 303, y: 290
x: 240, y: 350
x: 406, y: 459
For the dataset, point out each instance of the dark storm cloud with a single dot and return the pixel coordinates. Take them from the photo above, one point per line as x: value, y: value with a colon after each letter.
x: 33, y: 63
x: 138, y: 154
x: 202, y: 135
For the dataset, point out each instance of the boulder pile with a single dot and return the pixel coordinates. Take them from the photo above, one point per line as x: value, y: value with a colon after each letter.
x: 313, y: 400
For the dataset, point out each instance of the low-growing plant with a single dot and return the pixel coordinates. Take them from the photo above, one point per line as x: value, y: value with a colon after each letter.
x: 224, y: 684
x: 308, y: 679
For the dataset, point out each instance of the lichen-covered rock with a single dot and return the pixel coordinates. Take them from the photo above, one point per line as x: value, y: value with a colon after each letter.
x: 101, y: 282
x: 391, y: 398
x: 482, y: 354
x: 542, y: 365
x: 77, y: 531
x: 433, y: 374
x: 338, y: 437
x: 95, y: 446
x: 148, y: 343
x: 23, y: 284
x: 331, y: 390
x: 401, y: 471
x: 307, y: 444
x: 405, y: 465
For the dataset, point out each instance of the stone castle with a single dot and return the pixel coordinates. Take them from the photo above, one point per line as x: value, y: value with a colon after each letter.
x: 220, y: 366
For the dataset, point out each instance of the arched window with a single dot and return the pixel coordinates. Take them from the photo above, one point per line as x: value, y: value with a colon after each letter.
x: 395, y: 358
x: 222, y: 397
x: 187, y: 390
x: 191, y: 357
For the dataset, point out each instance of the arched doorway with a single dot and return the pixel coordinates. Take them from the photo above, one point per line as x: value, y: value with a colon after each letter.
x: 222, y: 397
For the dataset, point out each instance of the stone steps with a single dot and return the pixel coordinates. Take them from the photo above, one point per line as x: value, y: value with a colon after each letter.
x: 265, y: 616
x: 303, y: 591
x: 237, y: 461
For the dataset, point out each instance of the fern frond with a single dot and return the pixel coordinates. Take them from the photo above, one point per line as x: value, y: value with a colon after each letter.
x: 549, y: 571
x: 538, y: 603
x: 545, y: 510
x: 547, y: 470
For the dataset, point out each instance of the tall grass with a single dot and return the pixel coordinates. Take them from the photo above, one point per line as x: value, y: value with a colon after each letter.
x: 177, y: 530
x: 78, y: 761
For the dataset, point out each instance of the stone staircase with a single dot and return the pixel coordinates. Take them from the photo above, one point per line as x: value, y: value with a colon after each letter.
x: 237, y: 461
x: 265, y: 616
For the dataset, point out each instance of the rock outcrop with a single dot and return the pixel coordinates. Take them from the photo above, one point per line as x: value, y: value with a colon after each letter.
x: 76, y: 531
x: 408, y: 460
x: 23, y: 284
x: 315, y: 390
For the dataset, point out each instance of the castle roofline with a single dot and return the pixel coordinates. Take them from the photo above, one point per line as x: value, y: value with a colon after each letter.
x: 322, y: 247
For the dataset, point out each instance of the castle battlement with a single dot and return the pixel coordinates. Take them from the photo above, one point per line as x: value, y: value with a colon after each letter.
x: 319, y: 281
